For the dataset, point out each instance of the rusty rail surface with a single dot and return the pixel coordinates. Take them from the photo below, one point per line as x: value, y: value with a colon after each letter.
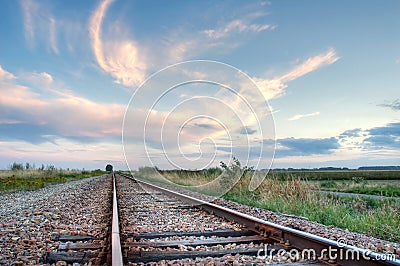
x: 345, y: 254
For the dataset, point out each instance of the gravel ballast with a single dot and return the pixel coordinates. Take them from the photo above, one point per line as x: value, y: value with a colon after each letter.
x: 31, y: 220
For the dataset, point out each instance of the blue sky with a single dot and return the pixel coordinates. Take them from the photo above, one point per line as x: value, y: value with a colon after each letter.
x: 325, y: 92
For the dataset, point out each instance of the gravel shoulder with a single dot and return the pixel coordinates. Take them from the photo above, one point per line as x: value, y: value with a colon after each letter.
x: 30, y: 219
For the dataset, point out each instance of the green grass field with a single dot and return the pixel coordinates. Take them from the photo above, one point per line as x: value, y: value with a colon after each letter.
x: 32, y: 179
x: 340, y: 175
x: 389, y: 188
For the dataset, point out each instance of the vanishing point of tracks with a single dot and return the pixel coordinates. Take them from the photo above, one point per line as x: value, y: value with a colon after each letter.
x: 157, y: 226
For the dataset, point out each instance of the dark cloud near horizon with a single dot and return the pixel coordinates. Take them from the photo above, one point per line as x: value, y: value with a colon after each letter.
x: 394, y: 105
x: 35, y: 134
x: 382, y: 141
x: 391, y: 129
x: 306, y: 146
x: 384, y: 137
x: 287, y: 147
x: 205, y: 126
x: 351, y: 133
x: 39, y: 134
x: 247, y: 131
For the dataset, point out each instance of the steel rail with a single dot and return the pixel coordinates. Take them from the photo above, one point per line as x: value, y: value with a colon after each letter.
x: 334, y: 252
x: 116, y: 251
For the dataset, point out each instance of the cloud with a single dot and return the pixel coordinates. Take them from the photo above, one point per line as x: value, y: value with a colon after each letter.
x: 24, y: 131
x: 351, y: 133
x: 394, y: 105
x: 29, y: 8
x: 205, y: 126
x: 229, y: 33
x: 5, y: 75
x: 236, y: 26
x: 286, y: 147
x: 274, y: 88
x: 311, y: 64
x: 383, y: 142
x: 306, y: 146
x: 46, y: 77
x: 61, y: 113
x: 118, y: 56
x: 9, y: 121
x: 53, y: 35
x: 374, y: 139
x: 247, y: 131
x: 377, y: 139
x: 39, y: 24
x: 391, y: 129
x: 63, y: 153
x: 38, y: 79
x: 299, y: 116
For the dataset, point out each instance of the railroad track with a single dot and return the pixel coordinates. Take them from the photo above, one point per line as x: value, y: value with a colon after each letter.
x: 155, y: 225
x: 230, y: 231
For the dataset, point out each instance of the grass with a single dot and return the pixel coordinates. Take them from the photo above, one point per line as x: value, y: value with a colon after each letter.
x: 389, y: 191
x: 341, y: 175
x: 16, y: 180
x: 294, y: 195
x: 390, y: 188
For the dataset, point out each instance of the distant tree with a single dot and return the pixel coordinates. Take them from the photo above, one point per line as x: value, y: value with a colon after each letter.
x: 17, y: 166
x: 50, y: 168
x: 109, y: 168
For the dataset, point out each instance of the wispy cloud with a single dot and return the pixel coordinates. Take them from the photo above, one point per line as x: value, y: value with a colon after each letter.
x: 46, y: 77
x: 39, y: 23
x: 299, y: 116
x: 5, y: 75
x: 119, y: 57
x: 95, y: 30
x: 53, y: 35
x: 237, y: 26
x: 311, y: 64
x: 29, y: 7
x: 274, y: 88
x: 229, y: 33
x: 9, y: 122
x: 394, y: 105
x: 37, y: 79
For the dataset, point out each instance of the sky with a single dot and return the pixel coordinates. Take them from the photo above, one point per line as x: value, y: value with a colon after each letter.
x: 187, y: 84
